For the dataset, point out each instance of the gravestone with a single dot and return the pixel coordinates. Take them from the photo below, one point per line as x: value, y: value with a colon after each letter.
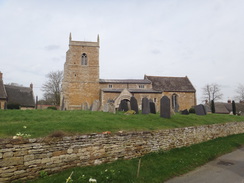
x: 207, y: 108
x: 111, y: 108
x: 145, y: 106
x: 95, y: 105
x: 123, y: 106
x: 106, y: 107
x: 165, y: 107
x: 133, y: 104
x: 200, y: 109
x: 84, y: 106
x: 152, y: 107
x: 185, y: 112
x: 62, y: 106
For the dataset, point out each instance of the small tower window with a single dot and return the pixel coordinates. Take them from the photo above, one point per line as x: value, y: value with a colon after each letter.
x: 83, y: 59
x: 110, y: 86
x: 141, y: 86
x: 155, y: 100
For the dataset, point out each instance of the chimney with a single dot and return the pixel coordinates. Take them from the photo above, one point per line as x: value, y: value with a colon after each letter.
x: 31, y: 86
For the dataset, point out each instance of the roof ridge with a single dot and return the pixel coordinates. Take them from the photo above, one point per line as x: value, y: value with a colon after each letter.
x: 17, y: 86
x: 168, y: 76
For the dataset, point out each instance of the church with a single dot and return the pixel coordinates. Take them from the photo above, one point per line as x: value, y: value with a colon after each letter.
x: 81, y: 84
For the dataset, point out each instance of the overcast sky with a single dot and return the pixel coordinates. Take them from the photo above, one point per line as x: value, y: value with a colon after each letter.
x: 201, y: 39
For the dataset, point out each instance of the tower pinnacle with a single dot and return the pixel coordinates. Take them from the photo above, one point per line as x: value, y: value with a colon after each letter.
x: 70, y: 37
x: 98, y: 38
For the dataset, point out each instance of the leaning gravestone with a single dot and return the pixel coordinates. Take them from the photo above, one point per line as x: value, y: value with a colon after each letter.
x: 133, y: 104
x: 145, y: 106
x: 95, y: 105
x: 200, y: 109
x: 165, y: 107
x: 123, y: 106
x: 152, y: 107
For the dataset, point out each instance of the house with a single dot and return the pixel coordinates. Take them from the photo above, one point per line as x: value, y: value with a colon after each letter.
x: 12, y: 94
x: 226, y: 107
x: 81, y: 85
x: 3, y: 94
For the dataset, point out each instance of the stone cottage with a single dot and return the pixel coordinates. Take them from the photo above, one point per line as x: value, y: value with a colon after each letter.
x: 81, y: 85
x: 11, y: 94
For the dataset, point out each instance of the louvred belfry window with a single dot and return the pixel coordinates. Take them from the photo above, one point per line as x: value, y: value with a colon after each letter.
x: 83, y: 59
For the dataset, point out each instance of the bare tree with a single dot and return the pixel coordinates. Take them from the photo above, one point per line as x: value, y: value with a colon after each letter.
x: 52, y: 87
x: 212, y: 92
x: 240, y: 92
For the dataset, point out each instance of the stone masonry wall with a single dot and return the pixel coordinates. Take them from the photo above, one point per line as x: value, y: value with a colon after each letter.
x: 25, y: 158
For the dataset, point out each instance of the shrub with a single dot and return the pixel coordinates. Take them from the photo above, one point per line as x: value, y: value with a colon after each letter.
x: 52, y: 108
x: 57, y: 134
x: 13, y: 106
x: 192, y: 110
x: 43, y: 174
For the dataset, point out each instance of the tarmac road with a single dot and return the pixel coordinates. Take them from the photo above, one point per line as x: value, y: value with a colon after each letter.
x: 228, y: 168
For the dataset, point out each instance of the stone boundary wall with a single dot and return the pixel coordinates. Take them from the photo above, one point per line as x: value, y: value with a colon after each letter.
x: 25, y: 158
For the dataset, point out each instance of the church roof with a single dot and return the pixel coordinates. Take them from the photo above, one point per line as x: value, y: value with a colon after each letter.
x: 125, y: 81
x: 20, y: 95
x: 173, y: 84
x: 132, y: 90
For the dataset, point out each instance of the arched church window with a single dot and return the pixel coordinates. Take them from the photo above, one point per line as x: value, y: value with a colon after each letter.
x: 83, y: 59
x: 174, y: 101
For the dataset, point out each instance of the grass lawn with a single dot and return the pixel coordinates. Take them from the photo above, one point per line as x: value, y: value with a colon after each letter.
x: 41, y: 123
x: 155, y: 167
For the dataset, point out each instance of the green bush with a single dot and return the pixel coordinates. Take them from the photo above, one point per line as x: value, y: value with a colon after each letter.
x: 13, y: 106
x: 192, y: 110
x: 52, y: 108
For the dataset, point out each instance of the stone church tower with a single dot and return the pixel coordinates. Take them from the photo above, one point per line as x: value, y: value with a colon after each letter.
x: 80, y: 85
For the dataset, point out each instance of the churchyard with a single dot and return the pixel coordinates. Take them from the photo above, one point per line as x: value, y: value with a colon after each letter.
x: 40, y: 123
x: 49, y: 125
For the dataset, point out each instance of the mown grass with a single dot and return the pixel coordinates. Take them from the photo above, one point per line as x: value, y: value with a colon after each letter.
x: 41, y: 123
x: 155, y: 167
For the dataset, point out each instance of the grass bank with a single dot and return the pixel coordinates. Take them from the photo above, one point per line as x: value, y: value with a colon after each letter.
x: 39, y: 123
x: 155, y: 167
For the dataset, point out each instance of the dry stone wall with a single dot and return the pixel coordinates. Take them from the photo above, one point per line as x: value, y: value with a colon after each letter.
x: 25, y: 158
